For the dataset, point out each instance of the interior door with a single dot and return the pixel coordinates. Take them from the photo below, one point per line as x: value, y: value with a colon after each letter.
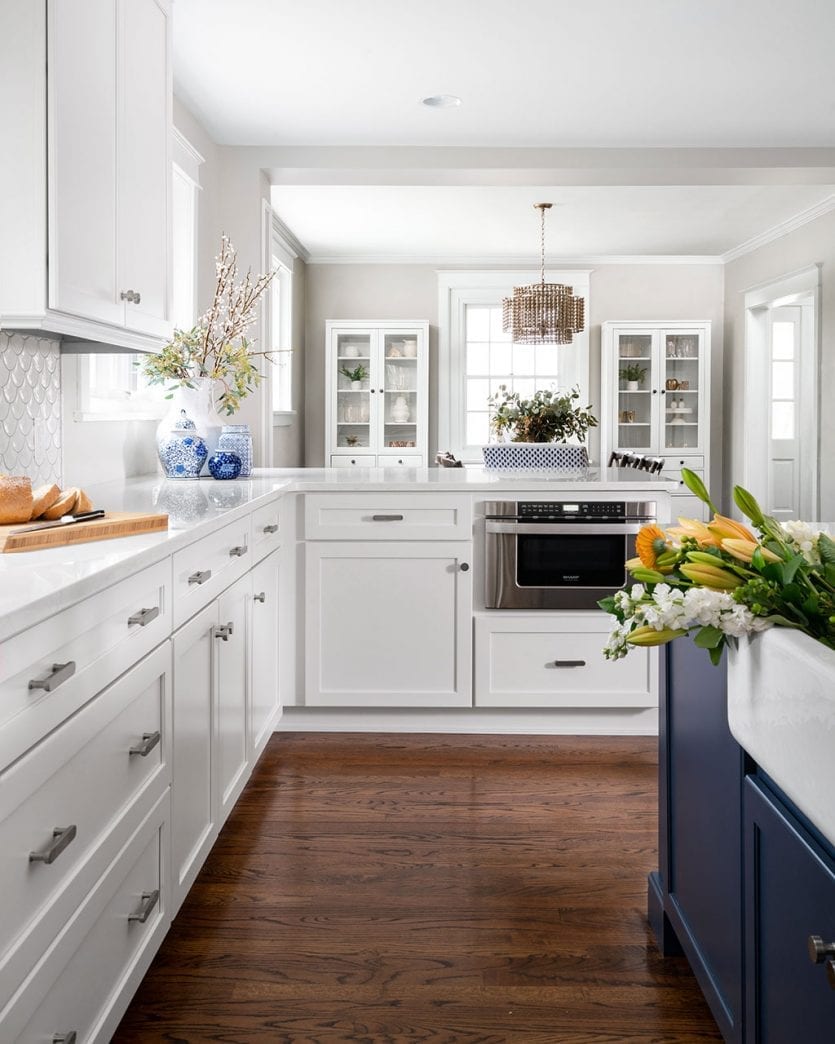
x: 784, y: 327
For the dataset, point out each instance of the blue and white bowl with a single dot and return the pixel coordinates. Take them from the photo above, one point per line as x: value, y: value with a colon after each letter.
x: 223, y: 465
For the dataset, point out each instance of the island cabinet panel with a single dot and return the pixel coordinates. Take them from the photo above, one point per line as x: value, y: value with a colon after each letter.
x: 264, y: 685
x: 695, y: 898
x: 388, y: 624
x: 790, y: 896
x: 231, y: 642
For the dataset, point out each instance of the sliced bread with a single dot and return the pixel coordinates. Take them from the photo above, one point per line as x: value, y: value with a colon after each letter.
x: 83, y: 503
x: 44, y: 497
x: 15, y: 499
x: 62, y: 506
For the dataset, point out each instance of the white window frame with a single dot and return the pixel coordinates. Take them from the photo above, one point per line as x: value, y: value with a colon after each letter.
x: 456, y: 290
x: 278, y: 251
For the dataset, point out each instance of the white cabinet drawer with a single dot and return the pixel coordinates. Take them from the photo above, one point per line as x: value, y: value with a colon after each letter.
x: 387, y: 516
x: 266, y: 530
x: 208, y: 566
x: 363, y: 460
x: 542, y: 660
x: 49, y: 671
x: 412, y: 460
x: 677, y: 461
x: 77, y: 786
x: 87, y: 978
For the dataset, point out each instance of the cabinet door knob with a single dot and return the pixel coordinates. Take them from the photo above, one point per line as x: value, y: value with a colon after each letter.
x: 223, y: 631
x: 61, y: 837
x: 149, y: 741
x: 58, y: 674
x: 149, y: 901
x: 143, y: 617
x: 261, y: 597
x: 465, y: 567
x: 272, y: 528
x: 819, y: 951
x: 131, y: 296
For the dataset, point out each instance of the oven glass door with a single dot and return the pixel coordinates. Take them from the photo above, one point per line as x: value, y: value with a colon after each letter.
x: 585, y: 560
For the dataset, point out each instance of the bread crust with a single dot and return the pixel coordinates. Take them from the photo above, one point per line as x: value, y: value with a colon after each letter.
x: 44, y: 497
x: 63, y: 506
x: 15, y: 499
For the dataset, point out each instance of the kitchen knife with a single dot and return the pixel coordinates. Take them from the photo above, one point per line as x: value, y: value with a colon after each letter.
x: 67, y: 520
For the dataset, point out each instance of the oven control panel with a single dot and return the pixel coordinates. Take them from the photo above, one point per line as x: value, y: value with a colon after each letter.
x: 551, y: 511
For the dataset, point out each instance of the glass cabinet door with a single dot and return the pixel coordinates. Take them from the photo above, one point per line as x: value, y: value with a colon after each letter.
x: 634, y: 401
x: 353, y: 400
x: 400, y: 406
x: 681, y: 394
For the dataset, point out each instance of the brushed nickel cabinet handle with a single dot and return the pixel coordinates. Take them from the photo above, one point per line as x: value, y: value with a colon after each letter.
x: 58, y: 674
x: 65, y: 1038
x: 143, y: 617
x: 238, y: 552
x: 223, y: 631
x: 149, y: 901
x: 569, y: 663
x: 262, y: 597
x: 131, y: 296
x: 386, y: 518
x: 61, y: 837
x: 273, y: 528
x: 200, y: 577
x: 149, y: 741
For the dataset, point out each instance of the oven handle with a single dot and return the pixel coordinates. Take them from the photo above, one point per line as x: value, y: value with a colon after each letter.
x: 564, y: 529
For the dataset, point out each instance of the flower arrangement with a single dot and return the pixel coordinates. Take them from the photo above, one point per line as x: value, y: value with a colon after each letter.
x: 719, y: 581
x: 547, y: 416
x: 216, y: 347
x: 633, y: 372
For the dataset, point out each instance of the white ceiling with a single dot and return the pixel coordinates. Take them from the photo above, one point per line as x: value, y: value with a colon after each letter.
x: 535, y: 74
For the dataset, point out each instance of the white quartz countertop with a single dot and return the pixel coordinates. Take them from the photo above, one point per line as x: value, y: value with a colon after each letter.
x: 37, y: 584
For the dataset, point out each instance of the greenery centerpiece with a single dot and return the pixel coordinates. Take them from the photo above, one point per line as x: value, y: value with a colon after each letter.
x: 718, y: 581
x: 528, y: 429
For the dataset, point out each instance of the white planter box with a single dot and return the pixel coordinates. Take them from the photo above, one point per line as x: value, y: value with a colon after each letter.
x: 534, y: 455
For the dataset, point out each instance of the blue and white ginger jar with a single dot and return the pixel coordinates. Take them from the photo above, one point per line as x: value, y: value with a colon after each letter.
x: 224, y: 465
x: 237, y: 438
x: 182, y: 452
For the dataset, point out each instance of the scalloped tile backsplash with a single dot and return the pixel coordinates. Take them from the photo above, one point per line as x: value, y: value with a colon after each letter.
x: 30, y: 407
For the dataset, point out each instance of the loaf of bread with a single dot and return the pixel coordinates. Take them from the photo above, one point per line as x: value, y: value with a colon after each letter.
x: 83, y: 503
x: 15, y: 499
x: 64, y: 505
x: 44, y: 497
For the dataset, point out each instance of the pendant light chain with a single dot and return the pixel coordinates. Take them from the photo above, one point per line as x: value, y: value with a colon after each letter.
x: 542, y: 241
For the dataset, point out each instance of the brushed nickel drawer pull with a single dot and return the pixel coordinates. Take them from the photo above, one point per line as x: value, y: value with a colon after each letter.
x: 143, y: 617
x: 131, y: 296
x: 386, y: 518
x: 149, y: 901
x: 61, y: 837
x: 223, y: 631
x: 58, y: 674
x: 272, y: 528
x: 238, y: 552
x: 149, y: 741
x: 569, y: 663
x: 65, y: 1038
x: 200, y: 577
x: 262, y: 597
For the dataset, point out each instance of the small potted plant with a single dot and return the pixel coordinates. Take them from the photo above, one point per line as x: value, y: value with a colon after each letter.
x: 634, y: 375
x: 533, y: 432
x: 355, y: 376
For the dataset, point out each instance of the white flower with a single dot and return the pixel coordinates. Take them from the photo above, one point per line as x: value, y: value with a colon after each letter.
x: 804, y: 537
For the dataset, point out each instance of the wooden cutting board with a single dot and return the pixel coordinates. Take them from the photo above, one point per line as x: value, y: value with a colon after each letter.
x: 114, y: 524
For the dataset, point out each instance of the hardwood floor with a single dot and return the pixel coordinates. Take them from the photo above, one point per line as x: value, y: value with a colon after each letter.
x: 427, y: 888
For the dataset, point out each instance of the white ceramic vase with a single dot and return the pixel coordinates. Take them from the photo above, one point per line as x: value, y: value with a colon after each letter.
x: 199, y: 405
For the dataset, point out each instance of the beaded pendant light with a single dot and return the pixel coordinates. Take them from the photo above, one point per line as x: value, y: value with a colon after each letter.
x: 543, y: 313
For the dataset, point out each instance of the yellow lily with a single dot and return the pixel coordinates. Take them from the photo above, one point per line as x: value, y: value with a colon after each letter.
x: 649, y: 636
x: 710, y: 576
x: 727, y: 528
x: 744, y: 550
x: 698, y: 531
x: 633, y: 563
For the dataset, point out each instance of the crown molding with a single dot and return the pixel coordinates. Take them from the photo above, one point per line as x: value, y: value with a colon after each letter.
x: 291, y: 242
x: 487, y: 260
x: 778, y: 231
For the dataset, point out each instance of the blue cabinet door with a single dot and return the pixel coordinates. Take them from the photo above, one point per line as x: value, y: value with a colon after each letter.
x: 790, y: 895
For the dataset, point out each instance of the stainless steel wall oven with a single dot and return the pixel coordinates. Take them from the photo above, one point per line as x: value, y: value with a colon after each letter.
x: 559, y: 554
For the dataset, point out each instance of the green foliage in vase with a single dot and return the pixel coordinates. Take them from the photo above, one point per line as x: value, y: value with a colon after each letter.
x: 633, y: 372
x: 217, y: 347
x: 548, y: 416
x: 357, y: 374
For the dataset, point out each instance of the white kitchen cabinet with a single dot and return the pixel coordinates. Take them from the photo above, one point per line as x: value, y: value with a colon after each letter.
x: 264, y: 687
x: 92, y: 169
x: 231, y: 650
x: 663, y: 410
x: 382, y: 419
x: 388, y: 624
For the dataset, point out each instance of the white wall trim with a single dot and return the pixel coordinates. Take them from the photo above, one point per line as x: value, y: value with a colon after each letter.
x: 778, y: 231
x: 800, y: 281
x: 289, y: 241
x: 526, y: 261
x: 186, y: 156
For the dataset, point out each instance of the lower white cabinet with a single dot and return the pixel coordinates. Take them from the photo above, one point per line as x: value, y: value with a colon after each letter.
x: 231, y: 652
x: 556, y: 660
x: 264, y: 688
x: 388, y: 624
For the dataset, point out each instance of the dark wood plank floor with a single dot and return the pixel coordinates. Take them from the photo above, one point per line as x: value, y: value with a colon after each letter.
x: 432, y: 889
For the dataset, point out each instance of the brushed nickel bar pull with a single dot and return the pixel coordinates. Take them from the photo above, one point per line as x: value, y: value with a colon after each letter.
x: 223, y: 631
x: 273, y: 528
x: 238, y: 552
x: 149, y: 741
x: 58, y: 674
x: 200, y: 577
x: 61, y: 837
x: 149, y: 901
x: 144, y: 616
x: 569, y: 663
x: 386, y: 518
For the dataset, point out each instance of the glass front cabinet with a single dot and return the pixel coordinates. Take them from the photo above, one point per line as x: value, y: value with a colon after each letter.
x: 377, y: 394
x: 655, y: 382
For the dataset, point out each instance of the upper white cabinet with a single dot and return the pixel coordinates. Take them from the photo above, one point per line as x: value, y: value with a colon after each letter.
x: 381, y: 419
x: 655, y: 398
x: 92, y: 141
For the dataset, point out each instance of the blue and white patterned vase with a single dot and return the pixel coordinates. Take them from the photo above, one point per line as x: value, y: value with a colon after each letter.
x: 182, y: 452
x: 224, y: 465
x: 237, y: 438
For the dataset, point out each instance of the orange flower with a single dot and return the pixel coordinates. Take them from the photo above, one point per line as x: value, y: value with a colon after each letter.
x: 698, y: 531
x: 649, y: 543
x: 723, y: 528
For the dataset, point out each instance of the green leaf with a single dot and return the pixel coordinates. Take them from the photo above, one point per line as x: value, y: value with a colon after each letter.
x: 697, y: 488
x: 757, y: 560
x: 826, y: 549
x: 790, y: 568
x: 708, y: 637
x: 607, y: 604
x: 716, y: 654
x: 829, y: 573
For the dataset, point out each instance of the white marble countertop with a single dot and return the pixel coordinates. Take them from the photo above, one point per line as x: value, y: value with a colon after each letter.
x: 37, y: 584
